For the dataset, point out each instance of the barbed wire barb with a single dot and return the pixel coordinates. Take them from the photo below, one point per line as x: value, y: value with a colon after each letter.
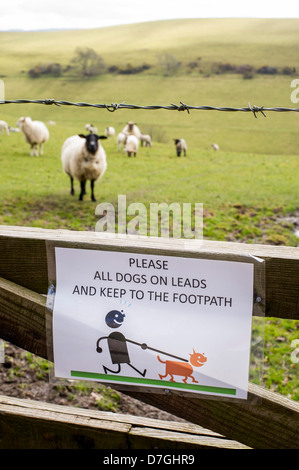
x: 256, y: 109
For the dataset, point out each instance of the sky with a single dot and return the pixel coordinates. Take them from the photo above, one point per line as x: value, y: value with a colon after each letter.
x: 69, y: 14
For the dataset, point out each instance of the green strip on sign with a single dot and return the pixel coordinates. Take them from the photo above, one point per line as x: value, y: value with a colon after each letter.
x: 160, y: 383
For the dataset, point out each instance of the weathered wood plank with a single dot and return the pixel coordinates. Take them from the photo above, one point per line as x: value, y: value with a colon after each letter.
x: 23, y: 318
x: 267, y: 421
x: 31, y: 424
x: 23, y: 259
x: 243, y: 422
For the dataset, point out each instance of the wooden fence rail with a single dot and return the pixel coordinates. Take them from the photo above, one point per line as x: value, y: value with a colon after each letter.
x: 265, y: 420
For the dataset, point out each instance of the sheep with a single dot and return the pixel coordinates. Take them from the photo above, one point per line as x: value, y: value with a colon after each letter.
x: 109, y: 131
x: 36, y: 134
x: 91, y: 128
x: 131, y: 146
x: 120, y: 140
x: 215, y: 147
x: 131, y: 129
x: 84, y: 158
x: 146, y: 139
x: 4, y: 127
x: 180, y: 146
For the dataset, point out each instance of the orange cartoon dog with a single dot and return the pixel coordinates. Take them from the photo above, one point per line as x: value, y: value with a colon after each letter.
x: 183, y: 368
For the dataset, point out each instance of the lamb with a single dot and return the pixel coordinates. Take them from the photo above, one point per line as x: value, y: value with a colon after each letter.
x: 146, y: 139
x: 180, y: 146
x: 91, y: 128
x: 109, y: 131
x: 132, y: 143
x: 131, y: 129
x: 84, y: 158
x: 4, y: 127
x: 215, y: 147
x: 36, y: 134
x: 120, y: 140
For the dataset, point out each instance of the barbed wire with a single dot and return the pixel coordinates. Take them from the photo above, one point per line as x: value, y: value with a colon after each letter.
x: 172, y: 107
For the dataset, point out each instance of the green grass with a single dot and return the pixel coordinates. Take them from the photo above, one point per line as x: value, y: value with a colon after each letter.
x: 247, y: 188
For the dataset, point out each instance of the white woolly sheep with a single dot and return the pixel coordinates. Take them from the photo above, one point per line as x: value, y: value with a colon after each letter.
x: 83, y: 158
x: 109, y: 131
x: 131, y: 129
x: 215, y: 147
x: 120, y: 140
x: 146, y: 139
x: 36, y: 134
x: 131, y: 146
x: 91, y: 128
x: 180, y: 146
x: 4, y: 127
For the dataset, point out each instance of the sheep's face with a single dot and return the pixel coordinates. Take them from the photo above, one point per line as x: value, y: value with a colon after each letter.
x: 92, y: 143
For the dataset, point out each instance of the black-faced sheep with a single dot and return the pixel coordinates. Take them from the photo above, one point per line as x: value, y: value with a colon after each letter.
x: 180, y: 146
x: 131, y: 129
x: 83, y: 158
x: 36, y: 134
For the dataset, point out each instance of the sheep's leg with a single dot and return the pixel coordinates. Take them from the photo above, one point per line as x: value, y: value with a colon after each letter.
x: 72, y: 186
x: 92, y: 190
x: 82, y: 184
x: 34, y: 150
x: 41, y: 150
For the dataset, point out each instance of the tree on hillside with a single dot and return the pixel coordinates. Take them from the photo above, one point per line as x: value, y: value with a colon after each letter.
x: 169, y: 63
x: 88, y: 62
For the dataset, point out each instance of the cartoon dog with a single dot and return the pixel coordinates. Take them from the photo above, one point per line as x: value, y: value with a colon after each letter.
x: 183, y: 369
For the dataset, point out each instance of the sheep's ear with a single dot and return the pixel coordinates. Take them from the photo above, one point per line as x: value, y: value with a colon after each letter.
x: 102, y: 136
x: 82, y: 136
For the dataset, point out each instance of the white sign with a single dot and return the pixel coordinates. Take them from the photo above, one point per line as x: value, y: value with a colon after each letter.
x: 155, y: 321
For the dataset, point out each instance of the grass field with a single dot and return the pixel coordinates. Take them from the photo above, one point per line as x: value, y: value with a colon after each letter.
x: 248, y: 188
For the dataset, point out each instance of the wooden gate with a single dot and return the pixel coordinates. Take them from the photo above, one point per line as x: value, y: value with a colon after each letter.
x: 265, y: 420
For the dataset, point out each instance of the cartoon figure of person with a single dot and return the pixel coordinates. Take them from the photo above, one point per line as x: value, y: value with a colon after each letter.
x: 117, y: 343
